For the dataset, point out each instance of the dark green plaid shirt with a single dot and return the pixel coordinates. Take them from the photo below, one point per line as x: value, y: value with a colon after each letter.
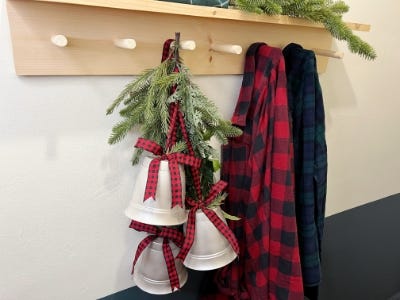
x: 310, y: 156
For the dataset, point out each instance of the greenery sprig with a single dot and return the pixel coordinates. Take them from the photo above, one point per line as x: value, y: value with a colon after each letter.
x: 145, y: 107
x: 327, y: 12
x: 218, y: 201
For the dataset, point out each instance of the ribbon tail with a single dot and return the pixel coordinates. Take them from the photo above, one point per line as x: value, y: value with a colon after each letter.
x: 197, y: 182
x: 152, y: 180
x: 142, y: 245
x: 189, y: 238
x: 171, y: 136
x: 170, y: 261
x: 176, y: 184
x: 223, y: 228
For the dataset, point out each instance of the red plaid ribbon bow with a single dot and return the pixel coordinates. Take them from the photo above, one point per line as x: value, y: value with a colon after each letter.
x: 211, y: 215
x: 167, y: 234
x: 174, y: 159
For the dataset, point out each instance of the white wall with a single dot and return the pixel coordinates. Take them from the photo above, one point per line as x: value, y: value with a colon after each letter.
x: 63, y: 188
x: 362, y: 112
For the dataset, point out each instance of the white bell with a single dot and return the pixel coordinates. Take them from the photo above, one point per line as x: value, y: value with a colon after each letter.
x: 210, y: 249
x: 151, y: 273
x: 157, y: 211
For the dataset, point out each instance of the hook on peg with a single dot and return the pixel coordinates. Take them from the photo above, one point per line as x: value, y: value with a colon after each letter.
x: 59, y: 40
x: 125, y: 43
x: 226, y: 48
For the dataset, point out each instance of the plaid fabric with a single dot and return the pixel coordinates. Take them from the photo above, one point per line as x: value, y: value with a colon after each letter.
x: 166, y: 49
x: 167, y: 234
x: 258, y: 167
x: 177, y: 121
x: 310, y: 153
x: 194, y: 169
x: 211, y: 215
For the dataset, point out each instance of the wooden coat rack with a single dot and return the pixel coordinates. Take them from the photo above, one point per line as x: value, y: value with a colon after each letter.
x: 125, y: 37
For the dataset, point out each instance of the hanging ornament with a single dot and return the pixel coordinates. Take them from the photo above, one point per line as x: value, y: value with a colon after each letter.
x: 155, y: 269
x: 177, y: 122
x: 209, y: 242
x: 158, y: 197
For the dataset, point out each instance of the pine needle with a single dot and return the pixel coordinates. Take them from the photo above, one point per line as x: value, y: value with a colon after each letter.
x: 327, y: 12
x: 178, y: 147
x: 120, y: 130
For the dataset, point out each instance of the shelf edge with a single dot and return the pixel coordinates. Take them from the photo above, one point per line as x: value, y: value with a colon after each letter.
x: 200, y: 11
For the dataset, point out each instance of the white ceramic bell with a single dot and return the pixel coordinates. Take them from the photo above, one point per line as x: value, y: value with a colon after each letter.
x: 151, y: 273
x: 156, y: 211
x: 210, y: 249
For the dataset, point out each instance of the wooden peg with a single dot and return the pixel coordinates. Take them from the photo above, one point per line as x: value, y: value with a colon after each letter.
x: 125, y: 43
x: 187, y: 45
x: 329, y: 53
x: 59, y: 40
x: 226, y: 48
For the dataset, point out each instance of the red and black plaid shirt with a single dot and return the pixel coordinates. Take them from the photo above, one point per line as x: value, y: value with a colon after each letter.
x: 258, y: 167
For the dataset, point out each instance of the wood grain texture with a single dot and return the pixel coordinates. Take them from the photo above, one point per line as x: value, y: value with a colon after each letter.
x: 92, y: 26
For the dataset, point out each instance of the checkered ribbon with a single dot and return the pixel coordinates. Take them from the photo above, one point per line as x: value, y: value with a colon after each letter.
x: 211, y: 215
x: 173, y: 163
x: 167, y: 53
x: 177, y: 119
x: 168, y: 234
x: 195, y: 171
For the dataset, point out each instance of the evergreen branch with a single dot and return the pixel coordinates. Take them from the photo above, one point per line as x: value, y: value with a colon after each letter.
x: 229, y: 217
x: 136, y: 156
x: 228, y: 129
x: 219, y: 200
x: 340, y: 31
x: 132, y: 89
x: 119, y: 99
x: 133, y: 110
x: 178, y: 147
x: 207, y: 176
x: 163, y: 110
x: 221, y: 137
x: 271, y: 7
x: 259, y: 6
x: 120, y: 130
x: 327, y: 12
x: 339, y: 8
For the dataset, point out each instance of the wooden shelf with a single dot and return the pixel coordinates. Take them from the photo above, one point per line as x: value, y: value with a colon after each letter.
x: 92, y: 25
